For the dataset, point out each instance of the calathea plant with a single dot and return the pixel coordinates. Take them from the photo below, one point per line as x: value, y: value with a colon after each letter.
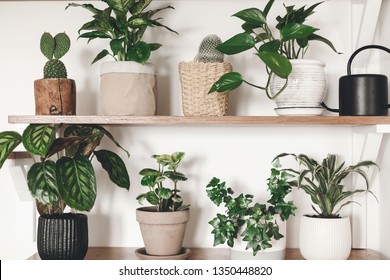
x: 324, y: 182
x: 123, y: 23
x: 275, y: 52
x: 70, y: 179
x: 255, y: 222
x: 165, y: 199
x: 53, y: 48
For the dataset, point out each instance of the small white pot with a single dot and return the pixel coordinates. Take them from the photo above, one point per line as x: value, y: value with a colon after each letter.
x: 276, y: 252
x: 128, y: 88
x: 306, y: 88
x: 325, y: 238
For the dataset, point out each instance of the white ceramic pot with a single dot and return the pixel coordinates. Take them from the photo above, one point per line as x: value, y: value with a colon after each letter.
x: 306, y: 88
x: 276, y: 252
x: 325, y: 239
x: 128, y: 88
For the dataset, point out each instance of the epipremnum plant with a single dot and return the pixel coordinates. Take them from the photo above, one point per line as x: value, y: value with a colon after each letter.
x: 323, y: 182
x: 256, y: 222
x: 70, y: 179
x: 274, y: 51
x: 164, y: 199
x: 123, y: 23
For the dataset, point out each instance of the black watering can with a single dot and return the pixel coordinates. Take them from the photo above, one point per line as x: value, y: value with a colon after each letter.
x: 362, y: 94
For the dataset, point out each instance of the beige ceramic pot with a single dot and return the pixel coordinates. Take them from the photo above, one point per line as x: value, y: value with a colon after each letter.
x: 162, y: 232
x: 55, y: 96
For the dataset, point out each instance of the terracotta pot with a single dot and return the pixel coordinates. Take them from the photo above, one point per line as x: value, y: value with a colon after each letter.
x: 128, y: 88
x: 55, y: 97
x: 62, y: 236
x: 325, y: 238
x: 162, y: 232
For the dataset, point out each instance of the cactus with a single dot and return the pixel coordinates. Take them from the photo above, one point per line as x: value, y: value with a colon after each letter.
x: 53, y: 48
x: 207, y: 49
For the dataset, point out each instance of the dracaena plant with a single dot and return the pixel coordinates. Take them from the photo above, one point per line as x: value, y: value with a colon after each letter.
x: 293, y: 40
x: 123, y: 23
x: 324, y: 182
x: 63, y: 175
x: 255, y: 222
x: 163, y: 198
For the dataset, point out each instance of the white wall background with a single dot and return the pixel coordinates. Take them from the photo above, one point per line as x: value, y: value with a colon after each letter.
x: 240, y: 155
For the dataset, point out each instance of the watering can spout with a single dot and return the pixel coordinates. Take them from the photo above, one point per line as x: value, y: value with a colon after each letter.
x: 330, y: 109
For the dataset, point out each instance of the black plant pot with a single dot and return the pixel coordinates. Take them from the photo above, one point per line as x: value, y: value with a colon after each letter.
x: 62, y: 236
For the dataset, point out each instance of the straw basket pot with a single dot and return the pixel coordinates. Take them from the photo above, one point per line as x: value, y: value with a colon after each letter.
x: 325, y: 238
x: 276, y: 252
x: 306, y: 88
x: 128, y: 88
x: 162, y: 232
x: 196, y: 80
x: 55, y: 96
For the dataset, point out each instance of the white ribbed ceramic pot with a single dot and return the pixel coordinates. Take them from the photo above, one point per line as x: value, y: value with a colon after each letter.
x: 307, y: 85
x: 325, y: 238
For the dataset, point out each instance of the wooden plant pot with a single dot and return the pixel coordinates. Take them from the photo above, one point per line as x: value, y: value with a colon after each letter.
x: 162, y: 232
x: 55, y: 97
x: 62, y: 236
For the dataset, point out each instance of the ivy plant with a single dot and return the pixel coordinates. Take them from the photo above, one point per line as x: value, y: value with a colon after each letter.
x: 163, y: 198
x: 123, y: 23
x: 64, y: 174
x: 255, y: 222
x: 293, y: 40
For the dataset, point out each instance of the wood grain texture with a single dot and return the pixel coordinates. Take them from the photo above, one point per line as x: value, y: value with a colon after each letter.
x: 127, y: 253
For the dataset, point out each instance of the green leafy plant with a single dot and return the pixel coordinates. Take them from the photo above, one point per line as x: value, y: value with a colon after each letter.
x: 257, y: 222
x: 123, y: 23
x: 57, y: 180
x: 53, y: 48
x: 274, y: 51
x: 323, y: 182
x: 163, y: 198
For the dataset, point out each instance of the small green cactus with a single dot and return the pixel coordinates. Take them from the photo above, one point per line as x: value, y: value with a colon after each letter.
x: 207, y: 49
x: 53, y: 48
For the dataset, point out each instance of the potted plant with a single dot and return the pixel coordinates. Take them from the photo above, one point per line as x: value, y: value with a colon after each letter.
x: 325, y: 234
x: 197, y: 77
x: 163, y: 224
x: 55, y: 94
x: 128, y: 85
x: 283, y: 58
x: 249, y: 225
x: 58, y: 180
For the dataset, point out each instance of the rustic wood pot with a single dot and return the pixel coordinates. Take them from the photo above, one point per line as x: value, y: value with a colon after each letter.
x: 55, y: 97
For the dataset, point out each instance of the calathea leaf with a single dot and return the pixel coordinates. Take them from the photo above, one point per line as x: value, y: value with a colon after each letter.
x: 37, y: 138
x: 9, y: 140
x: 76, y: 182
x: 42, y: 182
x: 115, y: 168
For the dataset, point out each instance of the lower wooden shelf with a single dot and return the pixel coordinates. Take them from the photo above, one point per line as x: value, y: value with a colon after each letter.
x: 127, y: 253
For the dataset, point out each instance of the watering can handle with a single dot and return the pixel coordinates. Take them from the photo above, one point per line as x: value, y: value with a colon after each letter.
x: 362, y: 49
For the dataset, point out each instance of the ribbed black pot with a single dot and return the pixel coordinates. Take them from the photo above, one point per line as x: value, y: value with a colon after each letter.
x: 62, y: 236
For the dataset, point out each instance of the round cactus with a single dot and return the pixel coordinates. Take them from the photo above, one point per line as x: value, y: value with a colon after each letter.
x: 53, y: 48
x: 207, y: 49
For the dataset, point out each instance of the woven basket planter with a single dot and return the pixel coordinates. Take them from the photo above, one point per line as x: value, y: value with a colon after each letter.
x: 196, y: 80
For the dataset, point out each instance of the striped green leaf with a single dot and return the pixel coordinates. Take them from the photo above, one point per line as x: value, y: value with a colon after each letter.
x: 37, y: 138
x: 9, y: 140
x: 77, y: 182
x: 115, y: 168
x: 42, y: 182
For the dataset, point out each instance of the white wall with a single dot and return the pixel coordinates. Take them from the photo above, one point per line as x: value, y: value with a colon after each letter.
x: 241, y: 155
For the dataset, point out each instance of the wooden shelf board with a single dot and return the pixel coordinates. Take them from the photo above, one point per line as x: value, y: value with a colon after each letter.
x: 19, y: 155
x: 225, y: 120
x: 127, y: 253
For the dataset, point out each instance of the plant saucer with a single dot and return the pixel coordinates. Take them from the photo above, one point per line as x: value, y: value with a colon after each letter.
x: 142, y: 255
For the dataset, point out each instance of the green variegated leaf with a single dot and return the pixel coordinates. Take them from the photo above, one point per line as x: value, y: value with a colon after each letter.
x: 152, y: 198
x: 139, y: 6
x: 122, y: 6
x: 115, y: 168
x: 37, y: 138
x: 42, y: 182
x: 9, y: 140
x: 140, y: 52
x: 77, y: 182
x: 164, y: 193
